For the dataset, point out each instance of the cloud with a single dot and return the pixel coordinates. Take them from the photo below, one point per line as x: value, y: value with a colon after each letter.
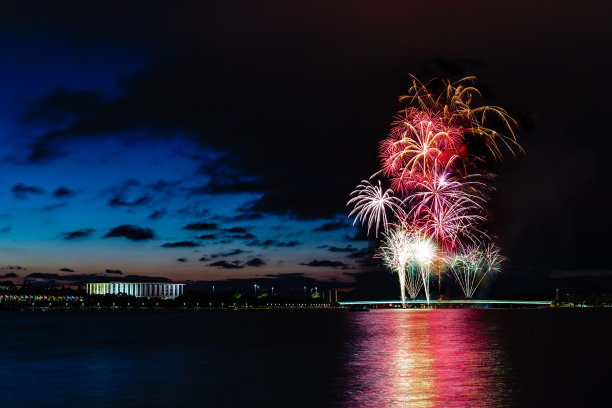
x: 182, y: 260
x: 157, y: 214
x: 6, y: 229
x: 119, y: 201
x: 22, y: 191
x: 14, y: 267
x: 92, y: 277
x: 113, y: 272
x: 260, y: 243
x: 78, y: 234
x: 204, y: 259
x: 9, y: 275
x: 288, y: 244
x: 360, y: 254
x: 332, y: 226
x: 63, y: 192
x: 54, y: 206
x: 237, y: 230
x: 349, y: 249
x: 66, y: 270
x: 60, y: 104
x: 243, y: 236
x: 200, y: 226
x: 207, y: 236
x: 230, y: 253
x: 255, y: 262
x: 180, y: 244
x: 131, y: 232
x: 225, y: 265
x: 55, y: 276
x: 326, y: 263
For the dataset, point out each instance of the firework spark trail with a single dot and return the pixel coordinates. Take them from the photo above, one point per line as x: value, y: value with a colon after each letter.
x: 372, y: 203
x: 425, y: 253
x: 456, y: 101
x: 471, y: 265
x: 395, y: 253
x: 442, y: 188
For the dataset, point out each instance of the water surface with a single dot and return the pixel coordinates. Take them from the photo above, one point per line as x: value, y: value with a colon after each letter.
x: 336, y: 358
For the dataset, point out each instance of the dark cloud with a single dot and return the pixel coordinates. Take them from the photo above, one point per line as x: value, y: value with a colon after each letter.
x: 22, y: 191
x: 71, y: 277
x: 243, y: 236
x: 201, y: 226
x: 226, y: 265
x: 113, y: 272
x: 66, y: 270
x: 255, y: 262
x: 225, y: 177
x: 157, y: 214
x: 204, y: 259
x: 180, y: 244
x: 63, y: 192
x: 360, y: 235
x: 349, y: 249
x: 182, y: 260
x: 92, y: 277
x: 361, y: 254
x: 119, y: 201
x: 207, y: 236
x: 6, y: 229
x: 144, y: 278
x: 164, y: 187
x: 9, y: 275
x: 54, y: 206
x: 288, y: 244
x: 14, y: 267
x: 78, y: 234
x: 332, y: 226
x: 245, y: 213
x: 131, y: 232
x: 326, y: 263
x: 260, y: 243
x: 237, y: 230
x: 60, y: 105
x: 230, y: 253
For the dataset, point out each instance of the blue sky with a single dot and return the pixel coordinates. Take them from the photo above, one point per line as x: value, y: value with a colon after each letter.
x: 98, y: 182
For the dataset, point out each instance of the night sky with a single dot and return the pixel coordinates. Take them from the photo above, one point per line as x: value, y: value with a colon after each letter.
x: 214, y: 141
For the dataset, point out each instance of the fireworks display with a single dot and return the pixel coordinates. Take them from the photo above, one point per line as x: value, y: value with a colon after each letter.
x: 435, y: 160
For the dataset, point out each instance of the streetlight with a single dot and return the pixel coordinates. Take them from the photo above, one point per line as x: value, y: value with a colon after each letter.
x: 213, y: 289
x: 304, y: 290
x: 272, y: 290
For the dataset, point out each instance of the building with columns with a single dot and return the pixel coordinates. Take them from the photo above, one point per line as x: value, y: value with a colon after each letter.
x: 137, y: 289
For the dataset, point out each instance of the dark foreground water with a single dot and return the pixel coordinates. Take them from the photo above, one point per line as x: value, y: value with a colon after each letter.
x: 384, y: 358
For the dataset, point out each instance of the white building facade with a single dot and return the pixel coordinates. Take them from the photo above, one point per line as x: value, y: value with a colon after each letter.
x: 137, y: 289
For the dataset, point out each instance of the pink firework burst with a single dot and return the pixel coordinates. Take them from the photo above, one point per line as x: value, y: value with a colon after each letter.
x: 415, y: 141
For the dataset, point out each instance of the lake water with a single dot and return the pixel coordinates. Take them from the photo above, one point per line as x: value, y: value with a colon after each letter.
x: 295, y: 358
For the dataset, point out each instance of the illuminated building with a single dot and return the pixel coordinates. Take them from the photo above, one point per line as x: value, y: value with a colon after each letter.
x: 137, y: 289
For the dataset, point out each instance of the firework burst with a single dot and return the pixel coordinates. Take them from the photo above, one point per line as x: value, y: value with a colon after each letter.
x: 435, y: 158
x: 372, y: 204
x: 471, y: 265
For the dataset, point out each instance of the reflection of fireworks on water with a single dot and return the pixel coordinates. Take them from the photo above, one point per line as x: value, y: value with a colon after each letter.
x: 372, y: 203
x: 434, y: 158
x: 472, y: 264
